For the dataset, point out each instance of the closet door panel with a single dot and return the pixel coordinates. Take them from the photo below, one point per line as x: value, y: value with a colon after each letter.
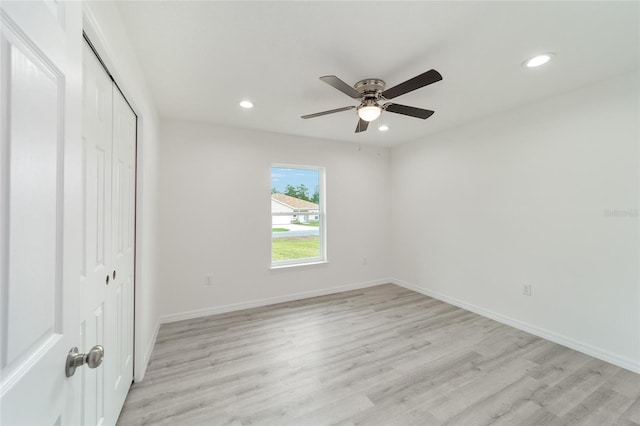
x: 109, y: 135
x: 123, y: 223
x: 96, y: 263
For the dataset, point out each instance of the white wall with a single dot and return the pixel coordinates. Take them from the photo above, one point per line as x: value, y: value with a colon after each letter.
x: 205, y: 167
x: 523, y: 197
x: 103, y: 24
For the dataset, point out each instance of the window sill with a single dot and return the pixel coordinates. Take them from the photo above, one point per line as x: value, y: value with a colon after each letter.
x: 294, y: 265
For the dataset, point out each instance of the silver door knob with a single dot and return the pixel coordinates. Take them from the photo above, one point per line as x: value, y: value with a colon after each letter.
x: 93, y: 359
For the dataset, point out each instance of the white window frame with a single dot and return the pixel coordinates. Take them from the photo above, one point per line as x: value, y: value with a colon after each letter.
x: 322, y: 231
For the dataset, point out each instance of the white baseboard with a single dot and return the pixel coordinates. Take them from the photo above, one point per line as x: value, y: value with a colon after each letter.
x: 268, y: 301
x: 626, y: 363
x: 147, y: 354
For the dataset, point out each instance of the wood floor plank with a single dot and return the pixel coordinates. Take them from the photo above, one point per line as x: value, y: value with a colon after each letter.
x: 333, y: 413
x: 632, y: 414
x: 383, y: 355
x: 491, y: 408
x: 601, y: 407
x: 575, y: 387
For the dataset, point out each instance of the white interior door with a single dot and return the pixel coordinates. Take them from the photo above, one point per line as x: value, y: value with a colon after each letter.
x: 40, y: 163
x: 95, y: 321
x: 109, y: 136
x: 122, y: 247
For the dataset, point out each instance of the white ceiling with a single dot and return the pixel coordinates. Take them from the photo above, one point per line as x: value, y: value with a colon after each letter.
x: 202, y: 58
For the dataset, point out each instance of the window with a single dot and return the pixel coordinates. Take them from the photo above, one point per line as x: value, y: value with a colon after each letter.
x: 297, y: 215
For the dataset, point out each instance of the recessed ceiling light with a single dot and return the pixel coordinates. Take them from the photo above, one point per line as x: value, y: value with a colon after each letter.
x: 383, y: 128
x: 538, y: 60
x: 246, y: 104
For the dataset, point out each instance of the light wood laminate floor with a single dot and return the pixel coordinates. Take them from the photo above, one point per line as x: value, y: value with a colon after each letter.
x: 378, y: 356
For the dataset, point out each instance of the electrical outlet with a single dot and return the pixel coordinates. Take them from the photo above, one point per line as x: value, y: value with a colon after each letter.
x: 208, y: 280
x: 526, y: 289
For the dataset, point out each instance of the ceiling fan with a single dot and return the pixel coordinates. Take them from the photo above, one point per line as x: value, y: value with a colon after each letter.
x: 371, y: 91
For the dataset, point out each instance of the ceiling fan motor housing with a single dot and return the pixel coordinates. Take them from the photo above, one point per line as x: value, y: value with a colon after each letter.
x: 370, y: 88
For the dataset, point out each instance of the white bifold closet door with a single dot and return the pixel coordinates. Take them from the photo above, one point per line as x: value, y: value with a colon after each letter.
x: 109, y: 138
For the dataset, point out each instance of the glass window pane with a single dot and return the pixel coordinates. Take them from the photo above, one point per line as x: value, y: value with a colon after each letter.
x: 296, y: 214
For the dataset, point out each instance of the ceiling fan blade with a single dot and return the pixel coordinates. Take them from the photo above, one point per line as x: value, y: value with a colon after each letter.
x: 362, y: 126
x: 416, y: 82
x: 408, y: 110
x: 334, y: 81
x: 331, y: 111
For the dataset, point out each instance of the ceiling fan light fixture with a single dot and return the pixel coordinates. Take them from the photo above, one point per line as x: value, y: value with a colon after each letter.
x: 369, y: 112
